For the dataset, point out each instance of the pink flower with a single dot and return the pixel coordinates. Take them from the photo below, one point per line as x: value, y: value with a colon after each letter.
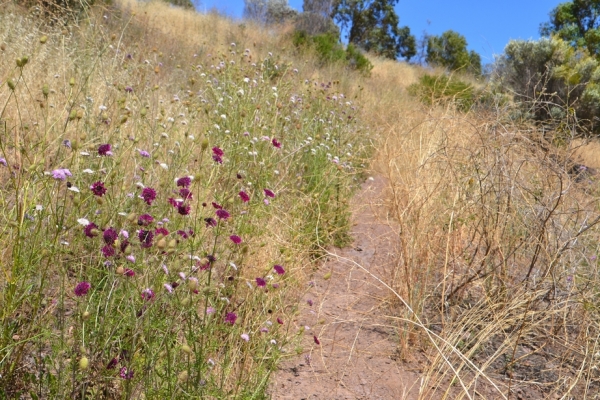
x: 244, y: 196
x: 269, y: 193
x: 260, y: 282
x: 279, y: 269
x: 235, y: 239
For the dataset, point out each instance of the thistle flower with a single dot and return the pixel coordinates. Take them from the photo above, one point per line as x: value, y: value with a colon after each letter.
x: 104, y: 150
x: 98, y: 188
x: 149, y: 195
x: 269, y: 193
x: 110, y: 235
x: 222, y: 214
x: 145, y: 220
x: 91, y: 230
x: 279, y: 269
x: 82, y: 288
x: 244, y: 196
x: 147, y: 294
x: 235, y: 239
x: 185, y: 182
x: 260, y: 282
x: 230, y: 318
x: 108, y: 251
x: 61, y: 174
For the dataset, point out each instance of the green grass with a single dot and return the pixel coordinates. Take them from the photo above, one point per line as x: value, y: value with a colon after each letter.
x: 158, y: 307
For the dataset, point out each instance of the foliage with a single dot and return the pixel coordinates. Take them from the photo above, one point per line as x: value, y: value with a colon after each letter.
x: 549, y: 75
x: 329, y: 50
x: 268, y: 11
x: 576, y: 22
x: 450, y: 50
x: 373, y: 26
x: 436, y: 89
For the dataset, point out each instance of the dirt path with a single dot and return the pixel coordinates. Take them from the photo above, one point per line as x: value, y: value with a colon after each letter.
x: 357, y: 343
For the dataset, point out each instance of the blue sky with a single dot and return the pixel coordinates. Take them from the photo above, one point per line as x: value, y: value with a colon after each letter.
x: 488, y: 25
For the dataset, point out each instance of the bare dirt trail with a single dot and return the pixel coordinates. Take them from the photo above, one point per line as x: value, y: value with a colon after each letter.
x: 354, y: 359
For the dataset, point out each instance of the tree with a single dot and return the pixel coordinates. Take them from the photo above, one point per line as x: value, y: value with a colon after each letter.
x: 577, y: 23
x: 268, y: 11
x: 373, y: 26
x: 450, y: 50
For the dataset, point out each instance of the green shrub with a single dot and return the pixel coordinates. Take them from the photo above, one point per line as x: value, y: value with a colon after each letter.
x: 434, y: 89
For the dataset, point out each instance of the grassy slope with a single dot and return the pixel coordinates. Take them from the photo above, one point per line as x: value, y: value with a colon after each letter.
x: 495, y: 255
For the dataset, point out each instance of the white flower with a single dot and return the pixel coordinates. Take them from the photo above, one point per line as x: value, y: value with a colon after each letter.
x: 83, y: 221
x: 74, y: 189
x: 88, y: 171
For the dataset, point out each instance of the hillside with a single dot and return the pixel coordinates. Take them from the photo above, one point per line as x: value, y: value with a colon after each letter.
x: 172, y: 184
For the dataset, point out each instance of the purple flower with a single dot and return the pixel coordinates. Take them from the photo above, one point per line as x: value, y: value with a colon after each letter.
x: 279, y: 321
x: 244, y: 196
x: 129, y: 89
x: 147, y: 294
x: 210, y: 222
x: 217, y: 205
x: 110, y: 235
x: 82, y: 288
x: 276, y: 143
x: 186, y: 194
x: 91, y: 230
x: 217, y: 155
x: 124, y: 245
x: 104, y: 150
x: 3, y: 161
x: 183, y: 209
x: 112, y: 363
x: 145, y: 220
x: 260, y: 282
x: 149, y: 195
x: 185, y: 182
x: 67, y: 143
x: 245, y: 337
x: 168, y: 287
x: 269, y: 193
x: 129, y: 273
x: 309, y: 302
x: 144, y: 153
x: 235, y: 239
x: 108, y: 251
x: 161, y: 231
x: 210, y: 310
x: 222, y: 214
x: 230, y: 318
x: 279, y: 269
x: 125, y: 373
x: 146, y: 238
x: 98, y: 189
x: 61, y: 174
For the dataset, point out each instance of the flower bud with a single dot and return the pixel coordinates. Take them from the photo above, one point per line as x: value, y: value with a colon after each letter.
x: 84, y: 363
x: 43, y: 39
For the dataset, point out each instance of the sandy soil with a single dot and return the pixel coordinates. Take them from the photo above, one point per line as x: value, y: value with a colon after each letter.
x: 355, y: 357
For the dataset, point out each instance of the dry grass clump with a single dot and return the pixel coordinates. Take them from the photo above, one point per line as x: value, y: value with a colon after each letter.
x: 497, y: 249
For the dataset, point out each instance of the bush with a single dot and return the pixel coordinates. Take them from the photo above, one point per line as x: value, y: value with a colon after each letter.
x: 434, y: 89
x: 330, y: 50
x: 548, y: 75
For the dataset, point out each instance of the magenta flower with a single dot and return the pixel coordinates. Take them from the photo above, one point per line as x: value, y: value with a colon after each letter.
x: 146, y: 238
x: 217, y: 155
x: 161, y: 231
x: 98, y: 188
x: 230, y: 318
x: 276, y: 143
x: 82, y: 288
x: 244, y: 196
x: 235, y: 239
x: 210, y: 222
x: 316, y: 340
x: 112, y: 363
x: 279, y: 269
x: 260, y: 282
x: 186, y: 194
x: 279, y: 321
x: 108, y: 251
x: 104, y: 150
x: 222, y: 214
x: 61, y: 174
x: 129, y: 273
x: 185, y: 182
x: 145, y: 220
x: 183, y: 209
x: 110, y: 235
x: 147, y: 294
x: 309, y: 302
x: 91, y: 230
x: 149, y: 195
x: 216, y: 205
x: 269, y: 193
x: 125, y: 373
